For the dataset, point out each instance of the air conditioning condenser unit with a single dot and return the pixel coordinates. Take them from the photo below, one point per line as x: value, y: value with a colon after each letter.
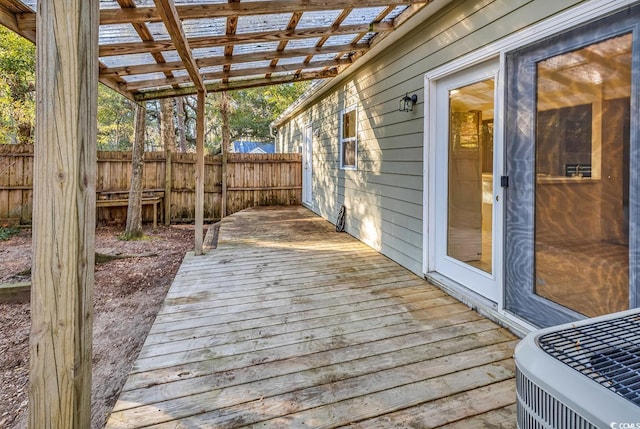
x: 581, y: 375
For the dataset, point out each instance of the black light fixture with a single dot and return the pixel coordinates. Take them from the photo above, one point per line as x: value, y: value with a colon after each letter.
x: 407, y: 102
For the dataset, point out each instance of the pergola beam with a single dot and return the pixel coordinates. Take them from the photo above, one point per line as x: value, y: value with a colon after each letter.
x: 169, y: 14
x: 26, y: 19
x: 232, y: 26
x: 235, y: 59
x: 9, y: 19
x: 167, y: 10
x: 234, y: 85
x: 336, y: 23
x: 137, y: 85
x: 239, y: 39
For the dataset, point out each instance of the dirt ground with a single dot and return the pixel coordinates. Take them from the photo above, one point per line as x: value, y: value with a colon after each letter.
x: 128, y: 294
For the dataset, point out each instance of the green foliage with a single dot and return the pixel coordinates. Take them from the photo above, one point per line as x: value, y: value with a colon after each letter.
x: 115, y: 120
x: 213, y: 124
x: 17, y: 99
x: 251, y: 112
x: 17, y: 88
x: 255, y: 108
x: 7, y: 232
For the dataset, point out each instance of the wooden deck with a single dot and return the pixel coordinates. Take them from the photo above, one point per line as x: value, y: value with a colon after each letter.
x: 288, y: 324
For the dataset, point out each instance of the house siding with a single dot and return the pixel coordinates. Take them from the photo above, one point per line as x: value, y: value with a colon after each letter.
x: 384, y: 196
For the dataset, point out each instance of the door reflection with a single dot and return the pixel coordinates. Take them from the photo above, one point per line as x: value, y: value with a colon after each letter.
x: 470, y: 181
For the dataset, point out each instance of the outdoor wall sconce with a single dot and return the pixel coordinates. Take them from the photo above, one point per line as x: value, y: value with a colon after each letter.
x: 407, y: 102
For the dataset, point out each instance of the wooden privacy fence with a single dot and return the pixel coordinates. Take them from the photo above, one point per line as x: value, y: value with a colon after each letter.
x: 251, y: 180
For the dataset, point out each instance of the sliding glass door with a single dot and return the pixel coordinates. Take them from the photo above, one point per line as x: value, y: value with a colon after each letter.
x: 572, y: 160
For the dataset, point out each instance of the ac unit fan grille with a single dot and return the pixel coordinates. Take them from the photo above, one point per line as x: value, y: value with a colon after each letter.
x: 537, y: 409
x: 607, y: 352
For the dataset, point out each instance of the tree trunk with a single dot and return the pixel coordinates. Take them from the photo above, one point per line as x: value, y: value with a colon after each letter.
x: 182, y: 136
x: 168, y: 138
x: 134, y: 212
x: 167, y: 129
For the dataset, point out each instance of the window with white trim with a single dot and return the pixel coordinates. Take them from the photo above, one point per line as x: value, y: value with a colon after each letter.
x: 349, y: 138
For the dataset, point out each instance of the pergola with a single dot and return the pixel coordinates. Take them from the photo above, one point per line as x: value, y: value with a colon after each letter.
x: 164, y: 48
x: 146, y: 50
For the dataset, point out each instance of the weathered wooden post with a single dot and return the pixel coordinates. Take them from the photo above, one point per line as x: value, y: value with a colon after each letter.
x: 168, y: 186
x: 200, y: 173
x: 167, y: 10
x: 226, y: 148
x: 63, y: 214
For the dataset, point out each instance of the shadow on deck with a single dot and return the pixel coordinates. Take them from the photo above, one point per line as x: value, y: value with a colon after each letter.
x: 290, y: 324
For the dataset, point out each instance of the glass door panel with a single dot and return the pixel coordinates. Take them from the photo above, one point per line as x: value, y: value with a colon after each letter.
x: 465, y: 209
x: 470, y: 187
x: 572, y: 161
x: 582, y: 182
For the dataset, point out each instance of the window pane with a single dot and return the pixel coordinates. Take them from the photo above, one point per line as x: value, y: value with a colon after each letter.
x: 470, y: 190
x: 349, y: 154
x: 349, y: 124
x: 582, y: 170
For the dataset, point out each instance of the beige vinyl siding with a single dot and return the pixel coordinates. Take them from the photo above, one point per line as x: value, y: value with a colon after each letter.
x: 384, y: 196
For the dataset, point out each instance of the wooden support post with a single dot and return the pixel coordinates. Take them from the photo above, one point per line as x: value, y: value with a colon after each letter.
x: 168, y: 186
x: 64, y: 215
x: 226, y: 148
x: 199, y: 173
x: 225, y: 185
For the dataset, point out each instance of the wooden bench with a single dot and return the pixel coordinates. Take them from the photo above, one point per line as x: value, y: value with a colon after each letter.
x: 149, y: 197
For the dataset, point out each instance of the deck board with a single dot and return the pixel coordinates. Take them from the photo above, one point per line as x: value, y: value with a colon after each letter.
x: 290, y: 324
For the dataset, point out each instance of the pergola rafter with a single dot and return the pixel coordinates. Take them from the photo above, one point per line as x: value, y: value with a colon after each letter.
x: 143, y: 31
x: 174, y: 26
